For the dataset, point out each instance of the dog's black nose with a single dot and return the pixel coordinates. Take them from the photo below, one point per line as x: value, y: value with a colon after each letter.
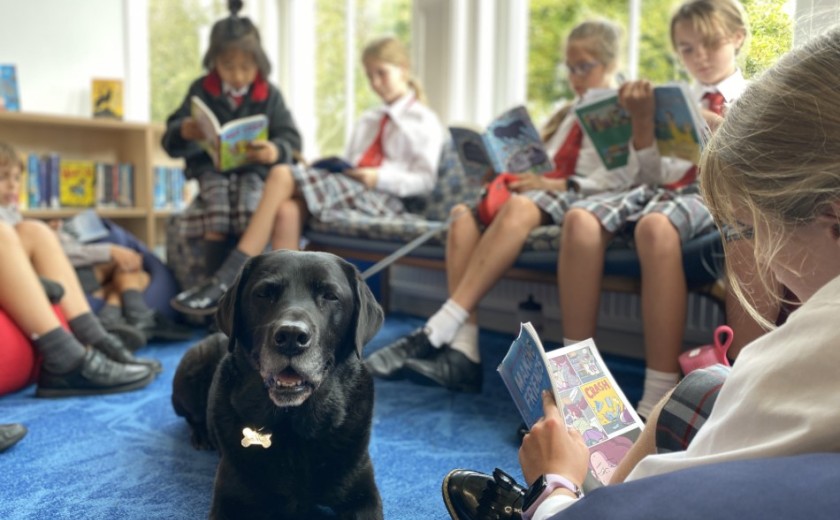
x: 292, y: 337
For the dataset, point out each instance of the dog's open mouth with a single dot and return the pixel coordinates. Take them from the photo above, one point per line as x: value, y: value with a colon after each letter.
x: 288, y: 388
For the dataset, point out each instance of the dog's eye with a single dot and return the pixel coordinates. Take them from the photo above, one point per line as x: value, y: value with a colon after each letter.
x: 329, y: 296
x: 265, y: 292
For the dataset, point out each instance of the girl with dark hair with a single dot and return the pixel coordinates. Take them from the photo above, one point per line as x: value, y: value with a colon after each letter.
x: 234, y: 87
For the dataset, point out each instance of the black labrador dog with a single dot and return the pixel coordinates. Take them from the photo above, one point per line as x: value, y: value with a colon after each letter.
x: 290, y: 404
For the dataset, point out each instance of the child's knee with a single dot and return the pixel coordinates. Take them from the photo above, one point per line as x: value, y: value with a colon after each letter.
x: 580, y: 225
x: 656, y: 233
x: 34, y: 230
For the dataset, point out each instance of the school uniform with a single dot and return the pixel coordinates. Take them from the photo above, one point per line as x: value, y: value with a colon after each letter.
x: 402, y: 140
x: 666, y: 185
x: 229, y: 199
x: 575, y: 159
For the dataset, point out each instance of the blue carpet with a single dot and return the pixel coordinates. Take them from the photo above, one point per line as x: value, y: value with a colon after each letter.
x: 128, y: 455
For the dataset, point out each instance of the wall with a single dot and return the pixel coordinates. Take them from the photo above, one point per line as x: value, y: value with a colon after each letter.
x: 58, y: 46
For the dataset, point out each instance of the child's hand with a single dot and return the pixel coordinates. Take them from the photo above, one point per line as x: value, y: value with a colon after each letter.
x: 712, y: 119
x: 127, y: 260
x: 190, y: 130
x: 263, y: 152
x: 533, y: 181
x: 551, y: 447
x: 367, y: 176
x: 637, y: 99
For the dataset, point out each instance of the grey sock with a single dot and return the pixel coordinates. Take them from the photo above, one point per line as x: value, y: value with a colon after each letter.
x: 134, y: 306
x: 61, y: 351
x: 87, y: 328
x: 110, y: 314
x: 231, y: 267
x: 215, y: 252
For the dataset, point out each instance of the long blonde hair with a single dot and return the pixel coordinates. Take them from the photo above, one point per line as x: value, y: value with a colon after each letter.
x: 389, y: 49
x: 602, y: 39
x: 776, y: 158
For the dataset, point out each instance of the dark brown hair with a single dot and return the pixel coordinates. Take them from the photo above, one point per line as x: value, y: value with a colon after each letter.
x: 235, y: 32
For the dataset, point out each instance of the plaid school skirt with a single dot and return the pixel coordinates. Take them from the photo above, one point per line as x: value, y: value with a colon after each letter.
x: 224, y: 204
x: 329, y: 195
x: 689, y: 406
x: 619, y: 211
x: 554, y: 203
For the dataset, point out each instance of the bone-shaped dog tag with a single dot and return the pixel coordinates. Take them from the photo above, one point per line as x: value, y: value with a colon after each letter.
x: 250, y: 437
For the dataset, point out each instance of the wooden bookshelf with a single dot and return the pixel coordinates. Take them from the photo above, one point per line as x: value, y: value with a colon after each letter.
x: 101, y: 140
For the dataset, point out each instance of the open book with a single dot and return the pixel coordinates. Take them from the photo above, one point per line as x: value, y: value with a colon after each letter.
x: 585, y: 391
x: 510, y: 143
x: 228, y: 144
x: 680, y: 129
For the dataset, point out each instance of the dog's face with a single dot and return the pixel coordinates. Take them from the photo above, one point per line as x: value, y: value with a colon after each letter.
x: 296, y: 315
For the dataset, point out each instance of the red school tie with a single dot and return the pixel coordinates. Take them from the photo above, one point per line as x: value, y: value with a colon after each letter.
x: 374, y: 154
x: 566, y: 157
x: 714, y: 102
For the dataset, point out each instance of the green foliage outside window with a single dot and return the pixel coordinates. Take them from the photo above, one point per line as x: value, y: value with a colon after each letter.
x: 374, y: 18
x: 174, y: 50
x: 551, y: 21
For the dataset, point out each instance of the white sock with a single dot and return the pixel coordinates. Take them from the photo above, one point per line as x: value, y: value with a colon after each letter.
x: 657, y: 384
x: 567, y: 341
x: 466, y: 342
x: 443, y: 324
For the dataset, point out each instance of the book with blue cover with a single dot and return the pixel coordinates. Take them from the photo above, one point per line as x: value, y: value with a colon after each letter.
x: 510, y: 144
x: 585, y: 391
x: 9, y: 94
x: 228, y: 144
x: 680, y: 130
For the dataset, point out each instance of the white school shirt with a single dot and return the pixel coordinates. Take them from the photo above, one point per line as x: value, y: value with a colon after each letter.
x: 412, y: 142
x: 654, y: 169
x: 590, y: 174
x: 780, y: 399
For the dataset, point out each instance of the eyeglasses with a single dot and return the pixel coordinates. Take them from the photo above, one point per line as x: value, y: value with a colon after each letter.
x: 582, y: 69
x: 741, y: 232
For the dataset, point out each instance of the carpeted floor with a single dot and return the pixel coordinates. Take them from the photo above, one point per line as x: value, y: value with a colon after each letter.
x: 128, y: 455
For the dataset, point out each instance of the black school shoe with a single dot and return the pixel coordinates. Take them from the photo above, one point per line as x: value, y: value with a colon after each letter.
x: 388, y: 362
x: 10, y: 434
x: 157, y: 327
x: 201, y: 300
x: 115, y: 349
x: 130, y: 336
x: 470, y: 495
x: 448, y: 368
x: 95, y: 375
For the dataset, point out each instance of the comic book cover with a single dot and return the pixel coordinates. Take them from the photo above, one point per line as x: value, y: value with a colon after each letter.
x: 510, y: 144
x: 679, y: 128
x: 77, y: 184
x: 585, y: 391
x: 106, y: 97
x: 228, y: 144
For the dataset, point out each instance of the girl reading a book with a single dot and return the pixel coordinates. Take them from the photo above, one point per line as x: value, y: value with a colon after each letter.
x: 664, y: 210
x: 393, y: 153
x: 780, y: 398
x: 235, y: 86
x: 445, y: 350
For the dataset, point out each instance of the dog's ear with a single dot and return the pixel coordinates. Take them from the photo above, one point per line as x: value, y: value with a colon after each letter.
x: 368, y: 316
x: 226, y: 315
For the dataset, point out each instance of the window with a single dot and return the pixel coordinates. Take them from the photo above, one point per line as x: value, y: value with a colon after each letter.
x: 771, y: 26
x: 176, y: 48
x: 368, y: 19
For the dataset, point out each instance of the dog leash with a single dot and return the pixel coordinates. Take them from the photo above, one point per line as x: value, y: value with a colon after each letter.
x: 409, y: 247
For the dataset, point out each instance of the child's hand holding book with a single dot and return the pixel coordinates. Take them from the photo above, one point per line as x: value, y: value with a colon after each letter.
x: 262, y: 151
x: 552, y: 447
x: 190, y: 130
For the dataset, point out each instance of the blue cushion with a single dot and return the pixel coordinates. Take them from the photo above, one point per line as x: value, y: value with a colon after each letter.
x: 803, y: 486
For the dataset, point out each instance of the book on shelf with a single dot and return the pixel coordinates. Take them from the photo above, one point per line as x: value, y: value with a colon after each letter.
x: 510, y: 143
x: 228, y: 144
x: 106, y: 97
x: 9, y: 93
x: 171, y: 189
x: 77, y: 180
x: 679, y: 128
x: 585, y: 391
x: 23, y: 184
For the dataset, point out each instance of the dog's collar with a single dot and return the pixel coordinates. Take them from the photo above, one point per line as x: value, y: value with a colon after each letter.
x: 251, y: 437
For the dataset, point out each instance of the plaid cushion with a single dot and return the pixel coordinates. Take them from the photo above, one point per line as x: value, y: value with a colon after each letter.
x: 689, y: 406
